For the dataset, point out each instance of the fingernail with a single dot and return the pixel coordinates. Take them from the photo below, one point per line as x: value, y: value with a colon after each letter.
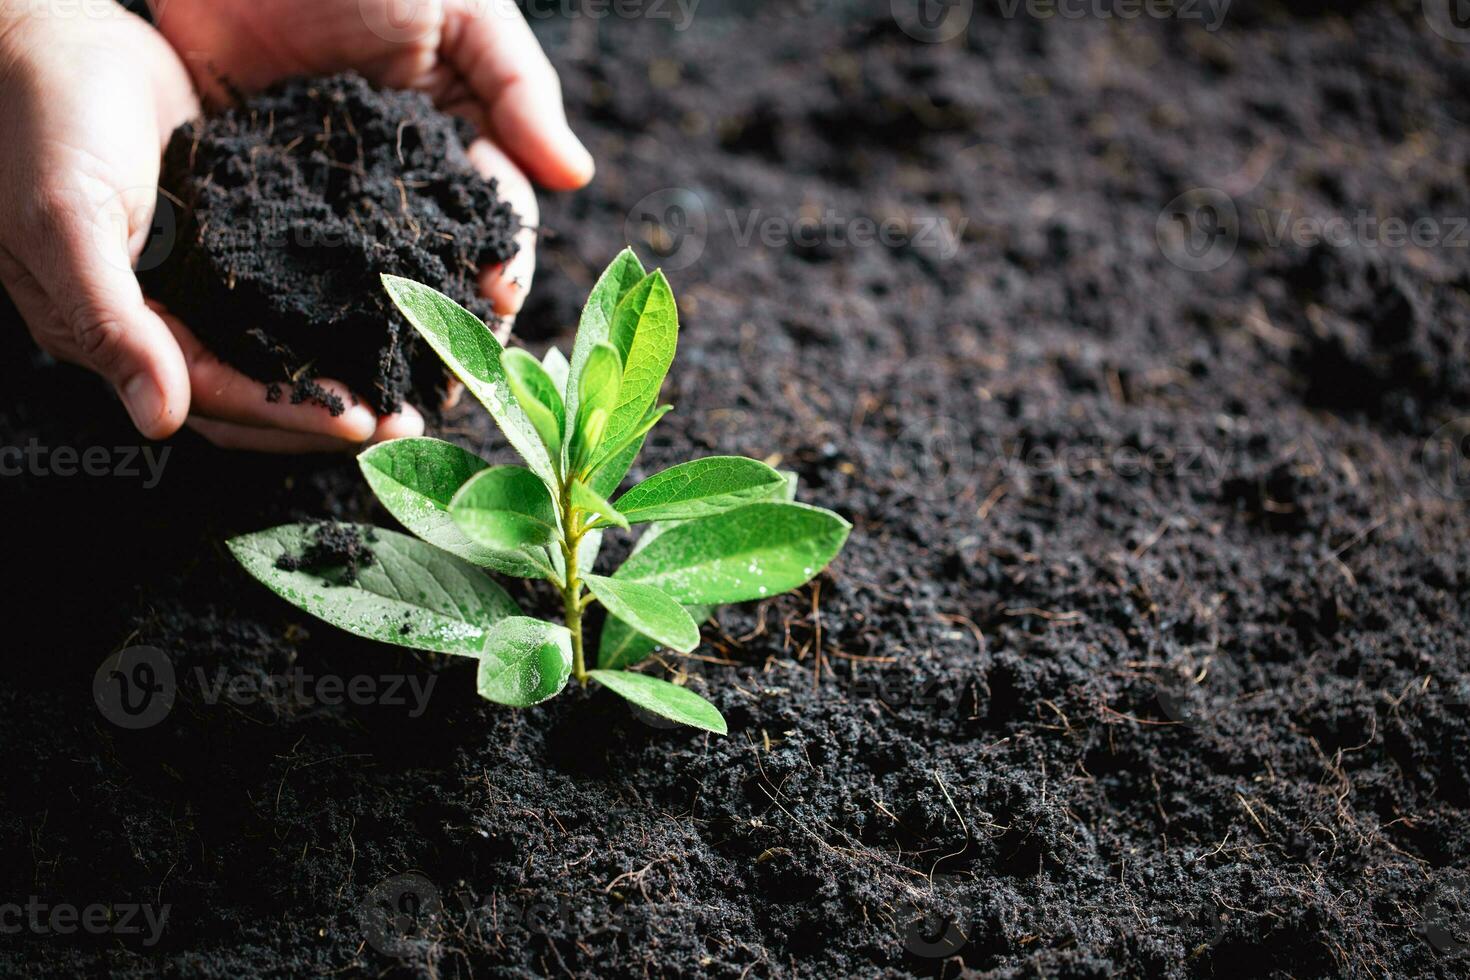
x: 144, y: 401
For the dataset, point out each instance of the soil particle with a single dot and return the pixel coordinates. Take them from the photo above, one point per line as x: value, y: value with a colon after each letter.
x: 286, y: 208
x: 334, y: 547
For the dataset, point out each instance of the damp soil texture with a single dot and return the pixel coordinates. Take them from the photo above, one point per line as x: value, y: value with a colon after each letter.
x: 1147, y: 656
x: 277, y: 217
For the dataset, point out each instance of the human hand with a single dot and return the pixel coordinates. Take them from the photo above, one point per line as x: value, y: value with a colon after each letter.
x: 476, y: 58
x: 88, y: 97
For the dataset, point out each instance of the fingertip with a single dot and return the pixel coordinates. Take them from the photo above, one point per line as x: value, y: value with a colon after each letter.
x: 406, y: 423
x: 157, y: 413
x: 503, y: 288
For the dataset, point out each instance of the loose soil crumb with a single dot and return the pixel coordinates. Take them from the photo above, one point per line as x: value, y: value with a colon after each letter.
x: 333, y: 547
x: 287, y: 208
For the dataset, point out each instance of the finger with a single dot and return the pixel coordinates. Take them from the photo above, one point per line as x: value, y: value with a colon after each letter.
x: 401, y: 425
x: 233, y: 435
x: 84, y: 266
x: 498, y: 55
x: 225, y: 394
x: 506, y: 285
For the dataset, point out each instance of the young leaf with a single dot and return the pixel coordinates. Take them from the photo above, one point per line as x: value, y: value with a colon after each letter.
x: 598, y: 396
x: 556, y: 367
x: 619, y: 452
x: 701, y: 488
x: 412, y: 595
x: 505, y: 507
x: 664, y: 699
x: 473, y: 354
x: 526, y: 661
x: 647, y: 610
x: 620, y: 646
x: 621, y: 275
x: 592, y: 502
x: 415, y: 478
x: 538, y: 396
x: 752, y: 552
x: 645, y: 331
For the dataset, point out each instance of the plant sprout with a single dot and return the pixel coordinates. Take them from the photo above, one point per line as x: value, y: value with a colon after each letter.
x: 718, y: 530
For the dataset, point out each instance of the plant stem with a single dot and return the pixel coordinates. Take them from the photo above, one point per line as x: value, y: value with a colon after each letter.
x: 572, y: 587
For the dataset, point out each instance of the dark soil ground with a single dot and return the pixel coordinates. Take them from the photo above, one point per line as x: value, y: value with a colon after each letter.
x: 283, y: 212
x: 1149, y: 651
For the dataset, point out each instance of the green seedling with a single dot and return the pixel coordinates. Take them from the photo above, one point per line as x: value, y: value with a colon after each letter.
x: 718, y: 530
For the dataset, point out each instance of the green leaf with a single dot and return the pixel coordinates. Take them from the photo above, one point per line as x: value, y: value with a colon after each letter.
x: 752, y: 552
x: 505, y: 507
x: 621, y: 275
x: 556, y: 367
x: 701, y: 488
x: 618, y: 452
x: 645, y: 331
x: 598, y: 388
x: 526, y: 661
x: 538, y: 397
x: 647, y: 610
x: 415, y: 478
x: 466, y: 345
x: 411, y: 595
x: 664, y: 699
x: 592, y: 502
x: 621, y: 646
x: 608, y: 474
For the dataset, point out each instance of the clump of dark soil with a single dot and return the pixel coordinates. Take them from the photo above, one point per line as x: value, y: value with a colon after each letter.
x: 288, y: 206
x: 1148, y: 655
x: 341, y: 549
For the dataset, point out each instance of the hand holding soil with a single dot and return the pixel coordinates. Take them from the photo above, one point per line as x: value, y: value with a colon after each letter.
x: 90, y: 102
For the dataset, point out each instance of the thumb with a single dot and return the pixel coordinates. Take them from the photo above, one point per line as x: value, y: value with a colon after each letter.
x: 108, y: 326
